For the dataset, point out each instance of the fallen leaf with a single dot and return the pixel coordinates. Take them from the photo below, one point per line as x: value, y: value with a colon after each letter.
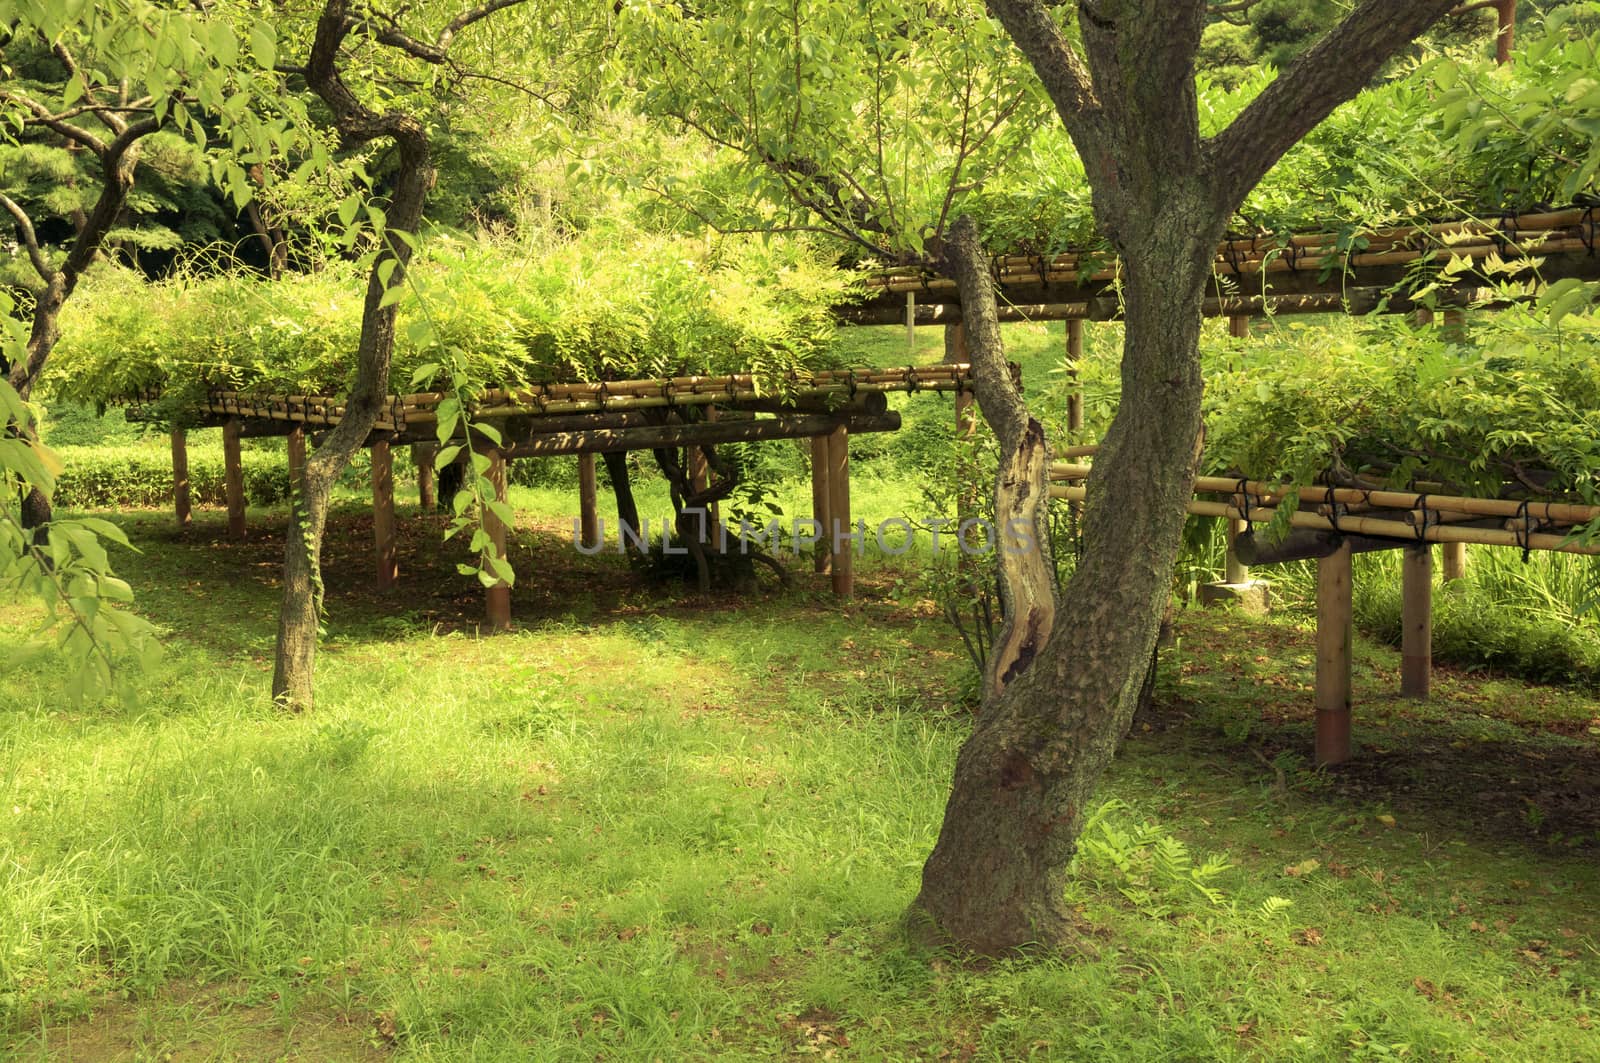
x: 1386, y: 820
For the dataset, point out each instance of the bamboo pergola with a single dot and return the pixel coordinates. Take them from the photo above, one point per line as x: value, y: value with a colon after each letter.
x: 1331, y: 523
x: 584, y: 419
x: 1302, y: 273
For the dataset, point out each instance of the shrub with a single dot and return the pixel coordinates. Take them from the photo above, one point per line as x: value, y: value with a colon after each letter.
x: 107, y: 477
x: 1471, y: 629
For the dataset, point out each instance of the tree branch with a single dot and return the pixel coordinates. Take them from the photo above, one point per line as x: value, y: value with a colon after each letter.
x: 1058, y: 65
x: 1330, y: 72
x: 41, y: 265
x: 42, y: 115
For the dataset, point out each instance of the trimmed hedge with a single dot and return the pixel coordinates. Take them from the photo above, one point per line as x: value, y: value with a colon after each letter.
x: 113, y: 477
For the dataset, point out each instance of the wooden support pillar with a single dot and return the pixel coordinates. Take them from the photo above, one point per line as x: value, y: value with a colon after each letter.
x: 180, y: 479
x: 911, y: 321
x: 840, y: 546
x: 1506, y: 30
x: 1234, y: 569
x: 1074, y: 356
x: 383, y: 514
x: 422, y: 455
x: 588, y: 502
x: 1333, y: 657
x: 233, y: 469
x: 1416, y: 621
x: 295, y: 444
x: 955, y: 351
x: 1455, y: 326
x: 820, y: 501
x: 1454, y: 556
x: 1423, y: 317
x: 498, y: 594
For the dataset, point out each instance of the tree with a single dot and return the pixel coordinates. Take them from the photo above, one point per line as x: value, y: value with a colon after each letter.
x: 832, y: 105
x: 1061, y: 694
x: 127, y: 71
x: 351, y: 36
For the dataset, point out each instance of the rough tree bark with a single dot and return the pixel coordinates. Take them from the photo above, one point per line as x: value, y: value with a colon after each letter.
x: 1059, y: 699
x: 295, y: 661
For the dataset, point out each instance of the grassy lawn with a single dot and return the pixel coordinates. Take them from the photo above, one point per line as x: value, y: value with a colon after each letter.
x: 645, y: 826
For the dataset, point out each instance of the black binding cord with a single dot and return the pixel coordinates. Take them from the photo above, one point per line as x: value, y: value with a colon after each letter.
x: 1525, y: 533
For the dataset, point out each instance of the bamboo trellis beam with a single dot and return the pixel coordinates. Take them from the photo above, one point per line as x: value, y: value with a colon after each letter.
x: 1374, y: 526
x: 1416, y: 503
x: 401, y: 411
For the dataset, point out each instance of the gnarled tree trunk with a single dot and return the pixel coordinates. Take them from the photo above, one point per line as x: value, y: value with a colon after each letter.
x: 1054, y: 712
x: 1047, y: 729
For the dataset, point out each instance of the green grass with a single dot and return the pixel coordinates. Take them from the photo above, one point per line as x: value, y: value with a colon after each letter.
x: 648, y: 826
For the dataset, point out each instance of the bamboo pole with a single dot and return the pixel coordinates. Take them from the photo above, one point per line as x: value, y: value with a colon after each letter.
x: 821, y: 498
x: 233, y: 470
x: 497, y: 594
x: 841, y: 548
x: 1416, y: 624
x: 1239, y: 326
x: 588, y: 501
x: 180, y: 479
x: 911, y: 321
x: 1454, y: 557
x: 383, y: 536
x: 1334, y: 637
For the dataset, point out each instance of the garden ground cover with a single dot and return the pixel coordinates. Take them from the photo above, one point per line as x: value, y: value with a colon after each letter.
x: 650, y: 826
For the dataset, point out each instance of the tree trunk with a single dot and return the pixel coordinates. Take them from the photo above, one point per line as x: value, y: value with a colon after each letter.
x: 622, y: 488
x: 299, y: 615
x: 295, y: 660
x: 1023, y: 780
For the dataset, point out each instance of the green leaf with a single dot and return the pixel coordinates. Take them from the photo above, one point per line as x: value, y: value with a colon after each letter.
x: 264, y: 46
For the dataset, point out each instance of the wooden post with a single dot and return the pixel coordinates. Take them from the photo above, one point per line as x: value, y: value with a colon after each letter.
x: 1074, y: 356
x: 1454, y: 556
x: 1416, y: 623
x: 588, y: 502
x: 1455, y: 326
x: 383, y: 513
x: 840, y: 546
x: 911, y: 321
x: 1333, y: 657
x: 1506, y: 30
x: 498, y: 595
x: 233, y: 469
x: 955, y: 351
x: 422, y: 457
x: 820, y: 499
x: 1234, y: 569
x: 180, y: 479
x: 1423, y: 317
